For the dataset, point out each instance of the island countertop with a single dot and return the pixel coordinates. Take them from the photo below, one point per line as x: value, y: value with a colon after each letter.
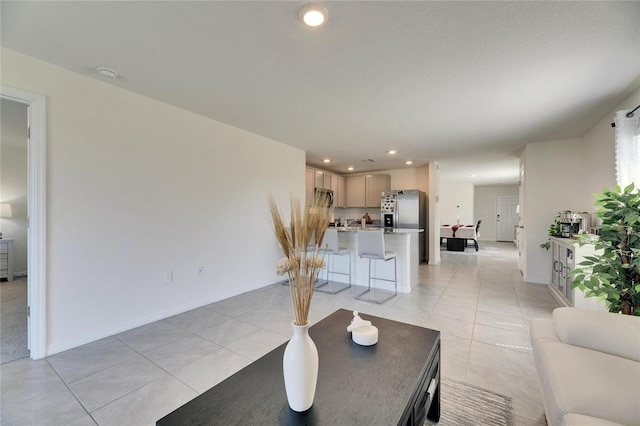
x: 377, y: 228
x: 402, y: 241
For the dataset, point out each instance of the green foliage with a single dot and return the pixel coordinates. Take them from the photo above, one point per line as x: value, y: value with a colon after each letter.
x: 614, y: 275
x: 555, y: 230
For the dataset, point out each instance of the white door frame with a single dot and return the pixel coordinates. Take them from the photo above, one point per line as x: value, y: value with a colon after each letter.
x: 37, y: 217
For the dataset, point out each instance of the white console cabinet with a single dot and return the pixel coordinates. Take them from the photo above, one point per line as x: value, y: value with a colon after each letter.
x: 566, y: 255
x: 6, y: 259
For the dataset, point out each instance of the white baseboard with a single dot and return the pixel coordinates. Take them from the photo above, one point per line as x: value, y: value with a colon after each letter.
x: 535, y: 280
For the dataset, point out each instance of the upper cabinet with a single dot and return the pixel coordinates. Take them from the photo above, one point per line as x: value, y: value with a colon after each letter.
x: 350, y: 191
x: 356, y: 191
x: 376, y: 185
x: 322, y: 179
x: 365, y: 191
x: 339, y: 191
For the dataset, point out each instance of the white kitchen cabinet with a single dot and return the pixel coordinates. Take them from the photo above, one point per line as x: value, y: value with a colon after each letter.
x: 356, y: 191
x: 327, y: 180
x: 566, y: 255
x: 339, y: 191
x: 318, y: 179
x: 322, y: 179
x: 6, y: 259
x: 375, y: 186
x: 366, y: 191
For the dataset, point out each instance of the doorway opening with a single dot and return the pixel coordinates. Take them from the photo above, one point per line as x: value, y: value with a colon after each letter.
x: 13, y: 231
x: 35, y: 216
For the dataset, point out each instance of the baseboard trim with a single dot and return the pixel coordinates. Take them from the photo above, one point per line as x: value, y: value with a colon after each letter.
x: 535, y: 280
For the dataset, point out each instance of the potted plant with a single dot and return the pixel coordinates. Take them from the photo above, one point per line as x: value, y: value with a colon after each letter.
x: 555, y: 230
x: 301, y: 244
x: 613, y: 274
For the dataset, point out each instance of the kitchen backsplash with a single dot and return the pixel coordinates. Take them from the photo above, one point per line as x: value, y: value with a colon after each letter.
x: 357, y: 213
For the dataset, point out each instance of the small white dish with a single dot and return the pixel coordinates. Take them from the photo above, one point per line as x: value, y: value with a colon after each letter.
x: 366, y: 335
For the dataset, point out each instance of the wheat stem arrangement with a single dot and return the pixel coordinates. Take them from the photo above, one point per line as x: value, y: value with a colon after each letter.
x: 301, y: 244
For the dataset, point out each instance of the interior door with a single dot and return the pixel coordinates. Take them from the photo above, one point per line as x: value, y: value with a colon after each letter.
x: 506, y: 218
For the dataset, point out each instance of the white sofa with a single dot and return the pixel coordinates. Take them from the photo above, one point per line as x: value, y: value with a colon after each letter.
x: 588, y: 363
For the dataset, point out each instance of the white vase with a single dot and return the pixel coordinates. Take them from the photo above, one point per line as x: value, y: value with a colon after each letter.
x: 300, y: 368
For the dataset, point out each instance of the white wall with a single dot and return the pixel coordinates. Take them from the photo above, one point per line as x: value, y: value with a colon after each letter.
x: 453, y: 195
x: 137, y: 188
x: 485, y: 207
x: 553, y: 182
x: 13, y: 179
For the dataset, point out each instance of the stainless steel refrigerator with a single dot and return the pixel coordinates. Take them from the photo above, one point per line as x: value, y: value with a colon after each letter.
x: 407, y: 208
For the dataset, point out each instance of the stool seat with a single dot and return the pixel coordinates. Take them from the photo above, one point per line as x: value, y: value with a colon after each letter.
x: 339, y: 252
x: 371, y: 247
x: 330, y: 248
x: 387, y: 255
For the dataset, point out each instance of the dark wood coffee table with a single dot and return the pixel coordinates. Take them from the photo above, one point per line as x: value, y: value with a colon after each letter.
x: 396, y: 381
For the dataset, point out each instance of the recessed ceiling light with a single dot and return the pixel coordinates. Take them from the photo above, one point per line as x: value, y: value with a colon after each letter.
x: 474, y: 175
x: 107, y: 72
x: 408, y: 162
x: 326, y: 160
x: 350, y: 168
x: 391, y: 151
x: 313, y: 15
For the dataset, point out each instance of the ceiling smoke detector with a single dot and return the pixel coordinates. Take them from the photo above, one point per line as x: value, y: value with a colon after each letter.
x: 107, y: 73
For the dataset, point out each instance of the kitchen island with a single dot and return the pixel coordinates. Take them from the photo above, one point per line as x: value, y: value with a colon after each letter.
x: 402, y: 241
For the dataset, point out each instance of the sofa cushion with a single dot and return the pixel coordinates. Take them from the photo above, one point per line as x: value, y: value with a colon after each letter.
x: 584, y: 381
x: 601, y: 331
x: 572, y: 419
x: 542, y: 328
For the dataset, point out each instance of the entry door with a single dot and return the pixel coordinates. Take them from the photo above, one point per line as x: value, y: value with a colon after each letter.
x: 506, y: 218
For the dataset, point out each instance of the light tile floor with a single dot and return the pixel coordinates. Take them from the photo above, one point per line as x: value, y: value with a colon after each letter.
x: 477, y: 300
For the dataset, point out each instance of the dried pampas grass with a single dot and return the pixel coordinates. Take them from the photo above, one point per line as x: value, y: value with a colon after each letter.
x: 301, y: 244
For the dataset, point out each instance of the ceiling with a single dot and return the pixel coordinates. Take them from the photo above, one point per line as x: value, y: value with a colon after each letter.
x: 467, y: 84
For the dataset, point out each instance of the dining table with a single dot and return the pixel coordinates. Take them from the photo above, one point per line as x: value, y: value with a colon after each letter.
x: 466, y: 232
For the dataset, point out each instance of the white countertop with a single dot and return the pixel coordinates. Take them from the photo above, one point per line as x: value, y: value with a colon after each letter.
x: 377, y: 228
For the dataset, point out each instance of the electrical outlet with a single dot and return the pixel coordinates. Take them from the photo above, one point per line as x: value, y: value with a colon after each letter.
x: 200, y: 271
x: 168, y: 277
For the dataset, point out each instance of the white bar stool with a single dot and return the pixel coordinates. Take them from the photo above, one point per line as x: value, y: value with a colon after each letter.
x: 331, y: 249
x: 319, y: 283
x: 371, y: 246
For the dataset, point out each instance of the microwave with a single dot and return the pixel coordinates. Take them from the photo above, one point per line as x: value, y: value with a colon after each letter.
x: 322, y: 192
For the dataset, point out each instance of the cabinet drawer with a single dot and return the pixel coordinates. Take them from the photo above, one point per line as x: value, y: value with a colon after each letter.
x: 426, y: 393
x: 4, y: 248
x: 4, y: 263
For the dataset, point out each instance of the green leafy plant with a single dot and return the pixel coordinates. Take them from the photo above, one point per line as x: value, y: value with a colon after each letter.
x: 555, y: 230
x: 613, y: 275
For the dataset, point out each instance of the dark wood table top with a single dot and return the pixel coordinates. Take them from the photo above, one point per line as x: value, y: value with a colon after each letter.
x: 357, y: 385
